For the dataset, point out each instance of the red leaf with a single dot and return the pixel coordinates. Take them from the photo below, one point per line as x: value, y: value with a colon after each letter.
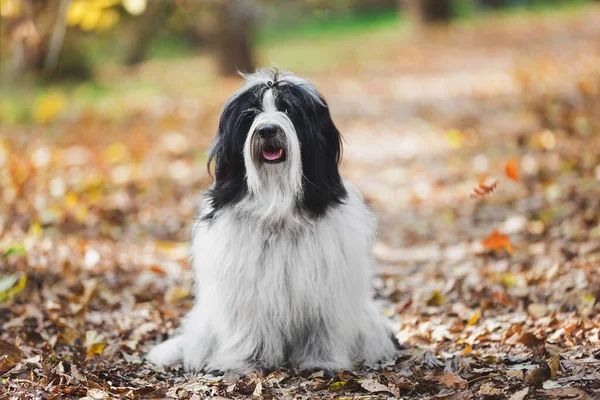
x: 483, y: 190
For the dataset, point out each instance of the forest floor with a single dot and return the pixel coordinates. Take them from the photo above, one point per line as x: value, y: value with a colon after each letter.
x: 96, y: 214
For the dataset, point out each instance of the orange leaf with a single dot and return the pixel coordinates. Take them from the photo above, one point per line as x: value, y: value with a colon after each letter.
x: 474, y: 318
x: 497, y: 240
x: 483, y: 189
x: 511, y: 170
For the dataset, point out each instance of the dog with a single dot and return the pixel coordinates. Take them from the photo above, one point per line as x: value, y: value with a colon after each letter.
x: 281, y: 248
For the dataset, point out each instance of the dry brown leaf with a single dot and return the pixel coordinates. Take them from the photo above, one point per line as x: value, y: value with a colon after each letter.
x: 554, y: 364
x: 520, y: 395
x: 451, y: 381
x: 373, y: 386
x: 535, y: 378
x: 530, y: 340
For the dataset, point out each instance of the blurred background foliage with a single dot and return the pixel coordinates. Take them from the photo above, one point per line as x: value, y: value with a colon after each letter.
x: 57, y: 54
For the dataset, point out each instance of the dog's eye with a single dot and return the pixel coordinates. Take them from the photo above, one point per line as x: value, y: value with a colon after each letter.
x: 287, y: 108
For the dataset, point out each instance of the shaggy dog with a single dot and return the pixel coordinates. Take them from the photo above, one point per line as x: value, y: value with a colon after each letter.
x: 281, y: 250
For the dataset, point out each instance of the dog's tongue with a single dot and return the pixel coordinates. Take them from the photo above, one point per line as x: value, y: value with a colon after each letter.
x: 272, y: 155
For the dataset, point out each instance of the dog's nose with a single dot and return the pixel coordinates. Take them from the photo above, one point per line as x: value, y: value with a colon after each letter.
x: 267, y: 131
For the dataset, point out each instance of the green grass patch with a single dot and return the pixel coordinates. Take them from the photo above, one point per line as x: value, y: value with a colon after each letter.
x: 320, y: 25
x: 469, y: 9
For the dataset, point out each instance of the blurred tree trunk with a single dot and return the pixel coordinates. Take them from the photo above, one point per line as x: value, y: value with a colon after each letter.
x: 237, y: 21
x: 30, y: 36
x: 141, y: 31
x: 428, y: 11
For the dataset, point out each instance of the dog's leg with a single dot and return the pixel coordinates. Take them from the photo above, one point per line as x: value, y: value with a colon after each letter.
x: 166, y: 353
x: 322, y: 350
x: 378, y: 340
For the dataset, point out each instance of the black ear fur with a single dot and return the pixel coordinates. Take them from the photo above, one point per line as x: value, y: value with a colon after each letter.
x: 227, y: 151
x: 321, y: 148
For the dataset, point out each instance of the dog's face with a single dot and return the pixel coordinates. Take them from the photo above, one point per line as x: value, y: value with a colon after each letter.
x: 276, y: 136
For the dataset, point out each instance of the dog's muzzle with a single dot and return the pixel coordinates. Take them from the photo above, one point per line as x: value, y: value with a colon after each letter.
x: 269, y: 144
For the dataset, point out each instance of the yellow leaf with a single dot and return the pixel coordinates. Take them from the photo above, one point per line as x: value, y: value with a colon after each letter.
x: 90, y: 19
x: 81, y: 213
x: 467, y: 350
x: 474, y: 318
x: 6, y: 294
x: 10, y: 8
x: 96, y: 348
x: 176, y: 293
x: 509, y: 280
x: 115, y: 152
x: 588, y: 300
x: 436, y: 299
x: 455, y: 138
x: 335, y: 386
x: 36, y: 229
x: 71, y: 200
x: 75, y: 13
x: 108, y: 19
x: 106, y: 3
x: 49, y: 107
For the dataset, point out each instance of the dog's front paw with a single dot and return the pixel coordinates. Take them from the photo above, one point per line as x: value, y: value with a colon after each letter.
x: 166, y: 353
x: 193, y: 362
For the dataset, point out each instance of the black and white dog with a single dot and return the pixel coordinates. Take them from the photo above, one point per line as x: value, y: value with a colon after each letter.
x: 281, y: 251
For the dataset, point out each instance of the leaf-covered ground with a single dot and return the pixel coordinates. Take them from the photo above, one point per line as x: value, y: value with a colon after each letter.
x: 95, y: 218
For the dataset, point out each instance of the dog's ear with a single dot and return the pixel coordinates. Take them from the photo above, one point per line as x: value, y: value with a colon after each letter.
x: 227, y: 151
x: 321, y: 155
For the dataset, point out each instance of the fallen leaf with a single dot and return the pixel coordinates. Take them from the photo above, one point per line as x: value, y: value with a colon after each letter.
x: 89, y: 286
x: 436, y: 299
x: 10, y: 355
x: 483, y: 190
x: 92, y: 341
x: 372, y: 386
x: 432, y: 361
x: 452, y: 381
x: 96, y: 348
x: 258, y: 390
x: 497, y: 240
x: 474, y: 318
x: 520, y: 395
x: 535, y: 378
x: 511, y: 170
x: 530, y: 340
x: 8, y: 288
x: 340, y: 385
x: 554, y: 364
x: 17, y: 249
x: 488, y: 390
x: 97, y: 394
x: 455, y: 138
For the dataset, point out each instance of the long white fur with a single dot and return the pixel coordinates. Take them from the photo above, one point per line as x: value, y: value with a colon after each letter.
x: 266, y: 275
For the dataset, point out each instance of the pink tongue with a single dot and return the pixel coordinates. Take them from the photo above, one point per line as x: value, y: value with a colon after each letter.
x: 272, y: 155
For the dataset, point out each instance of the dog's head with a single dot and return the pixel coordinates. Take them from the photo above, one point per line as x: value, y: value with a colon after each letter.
x: 276, y: 137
